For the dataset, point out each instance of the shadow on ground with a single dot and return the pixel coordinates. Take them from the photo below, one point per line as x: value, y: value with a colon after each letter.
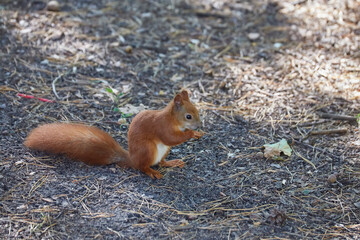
x: 258, y: 71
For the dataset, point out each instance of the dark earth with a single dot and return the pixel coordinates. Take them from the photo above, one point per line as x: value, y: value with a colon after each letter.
x: 258, y: 71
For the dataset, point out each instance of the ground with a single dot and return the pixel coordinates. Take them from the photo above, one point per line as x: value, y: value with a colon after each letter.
x: 258, y: 71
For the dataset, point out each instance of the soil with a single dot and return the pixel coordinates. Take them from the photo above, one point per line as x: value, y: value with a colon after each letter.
x: 258, y: 71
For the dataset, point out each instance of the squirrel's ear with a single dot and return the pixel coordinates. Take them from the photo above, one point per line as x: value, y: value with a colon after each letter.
x: 178, y: 100
x: 185, y: 95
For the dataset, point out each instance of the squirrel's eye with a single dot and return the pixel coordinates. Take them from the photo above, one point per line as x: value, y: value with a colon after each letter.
x: 188, y: 116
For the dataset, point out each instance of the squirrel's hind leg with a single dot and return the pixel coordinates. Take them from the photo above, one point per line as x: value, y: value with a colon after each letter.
x: 152, y: 173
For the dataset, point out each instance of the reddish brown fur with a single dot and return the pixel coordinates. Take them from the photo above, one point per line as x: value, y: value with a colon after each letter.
x: 85, y: 143
x: 149, y: 128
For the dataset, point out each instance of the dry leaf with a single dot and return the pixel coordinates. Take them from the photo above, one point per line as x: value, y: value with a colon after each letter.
x: 274, y: 150
x: 276, y: 217
x: 132, y: 109
x: 177, y: 77
x: 256, y: 224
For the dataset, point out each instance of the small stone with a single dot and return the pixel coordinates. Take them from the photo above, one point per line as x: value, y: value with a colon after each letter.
x: 146, y: 15
x: 44, y: 62
x: 275, y: 165
x: 307, y: 191
x: 332, y: 178
x: 122, y: 121
x: 64, y: 203
x: 278, y: 185
x: 357, y: 204
x: 102, y: 178
x: 53, y: 6
x: 195, y: 41
x: 128, y: 49
x: 259, y: 155
x: 184, y: 222
x: 22, y: 206
x: 191, y: 217
x: 277, y: 45
x: 253, y: 36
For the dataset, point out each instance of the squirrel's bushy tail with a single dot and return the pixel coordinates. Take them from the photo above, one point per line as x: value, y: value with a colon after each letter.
x: 77, y: 141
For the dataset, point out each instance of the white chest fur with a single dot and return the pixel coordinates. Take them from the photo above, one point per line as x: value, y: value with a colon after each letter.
x: 161, y: 151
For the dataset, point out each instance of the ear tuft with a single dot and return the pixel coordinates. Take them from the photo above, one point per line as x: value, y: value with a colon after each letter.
x: 178, y: 100
x: 185, y: 95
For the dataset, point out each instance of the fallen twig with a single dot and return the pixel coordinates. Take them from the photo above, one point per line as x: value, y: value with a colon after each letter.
x: 336, y: 116
x: 305, y: 159
x: 330, y: 131
x: 317, y: 149
x: 308, y: 124
x: 202, y: 13
x: 225, y: 50
x: 54, y: 87
x: 6, y: 88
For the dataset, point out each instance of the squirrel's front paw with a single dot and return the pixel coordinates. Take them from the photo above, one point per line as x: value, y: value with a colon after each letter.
x: 198, y: 135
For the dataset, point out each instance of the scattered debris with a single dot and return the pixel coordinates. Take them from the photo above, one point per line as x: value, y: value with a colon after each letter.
x: 302, y: 60
x: 128, y: 49
x: 276, y: 217
x: 131, y: 109
x: 274, y: 151
x: 336, y: 117
x: 253, y: 36
x: 329, y: 131
x: 32, y: 97
x: 332, y: 178
x: 53, y: 6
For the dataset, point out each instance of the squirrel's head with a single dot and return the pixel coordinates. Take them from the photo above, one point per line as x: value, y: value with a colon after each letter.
x: 185, y: 112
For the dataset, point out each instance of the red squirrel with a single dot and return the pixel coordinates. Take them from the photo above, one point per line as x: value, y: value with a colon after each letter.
x: 151, y: 135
